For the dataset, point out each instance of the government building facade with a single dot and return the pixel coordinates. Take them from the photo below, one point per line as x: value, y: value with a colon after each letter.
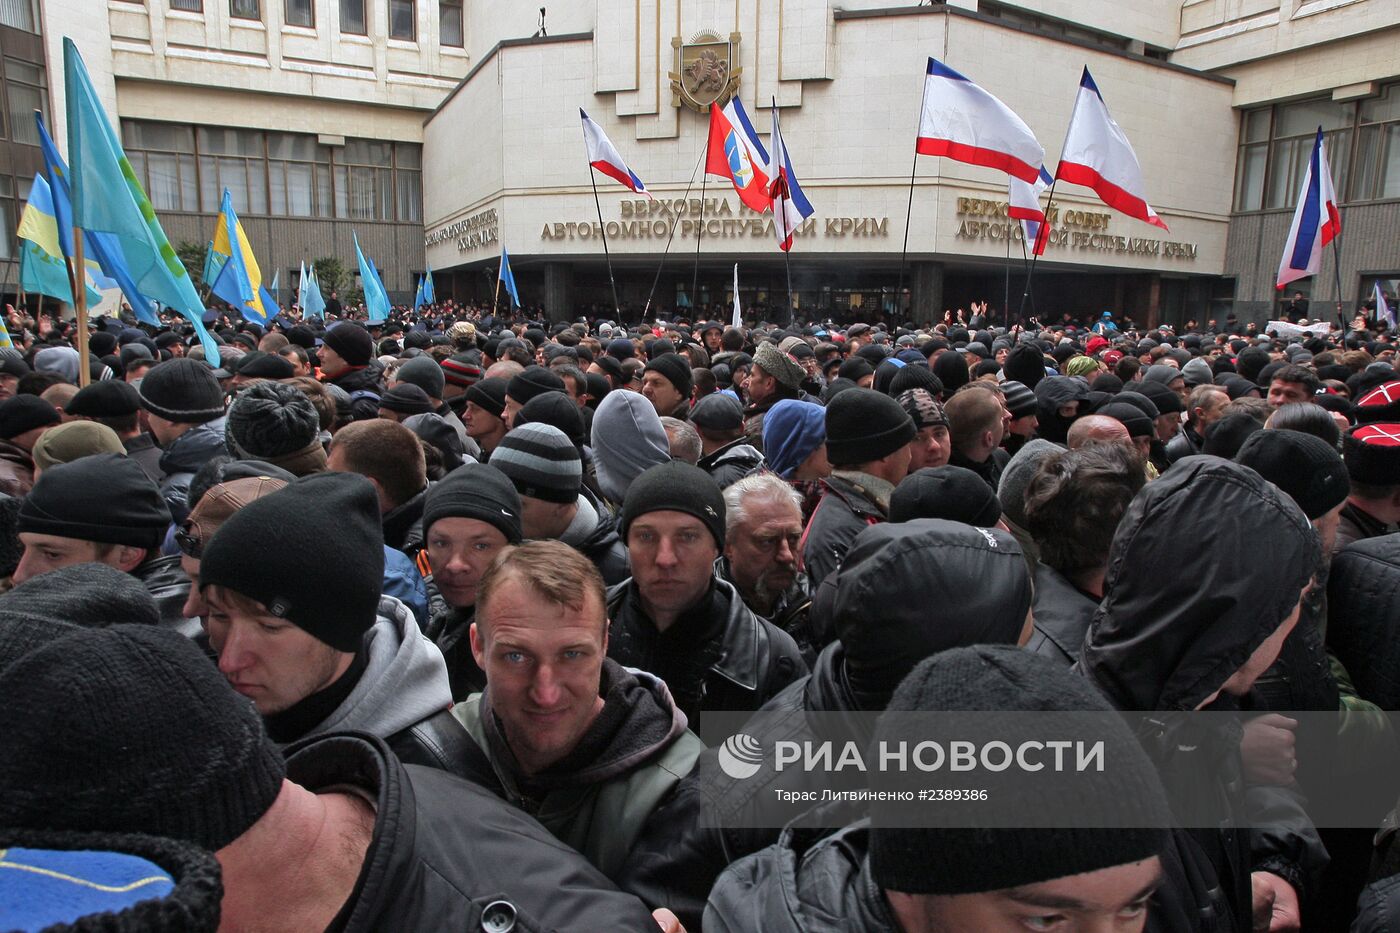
x: 441, y: 131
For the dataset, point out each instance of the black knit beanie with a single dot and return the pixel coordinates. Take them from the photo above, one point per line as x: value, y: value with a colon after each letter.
x: 110, y: 398
x: 676, y: 487
x: 182, y: 390
x: 1225, y: 437
x: 312, y: 553
x: 351, y: 342
x: 950, y: 492
x: 535, y: 380
x: 964, y: 859
x: 915, y: 376
x: 1306, y: 467
x: 105, y: 497
x: 1130, y: 416
x: 270, y: 419
x: 864, y: 425
x: 155, y: 740
x: 555, y: 409
x: 425, y: 373
x: 675, y: 369
x: 85, y: 882
x: 23, y: 413
x: 266, y: 366
x: 477, y: 491
x: 406, y: 399
x: 489, y: 395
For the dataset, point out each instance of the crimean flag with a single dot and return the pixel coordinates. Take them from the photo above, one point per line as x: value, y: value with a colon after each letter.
x: 734, y: 152
x: 603, y: 156
x: 1024, y: 205
x: 963, y: 122
x: 1316, y: 221
x: 107, y: 198
x: 1098, y: 155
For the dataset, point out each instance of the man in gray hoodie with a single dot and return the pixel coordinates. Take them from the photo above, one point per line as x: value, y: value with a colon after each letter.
x: 627, y: 439
x: 303, y: 631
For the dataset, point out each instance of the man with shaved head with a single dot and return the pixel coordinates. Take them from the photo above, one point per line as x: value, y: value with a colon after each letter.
x: 1097, y: 429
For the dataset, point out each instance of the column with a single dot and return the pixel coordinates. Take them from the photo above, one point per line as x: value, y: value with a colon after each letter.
x: 926, y: 292
x: 559, y: 292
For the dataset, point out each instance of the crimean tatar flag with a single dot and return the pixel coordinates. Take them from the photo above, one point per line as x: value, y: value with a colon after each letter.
x: 1316, y: 221
x: 963, y: 122
x: 1098, y: 155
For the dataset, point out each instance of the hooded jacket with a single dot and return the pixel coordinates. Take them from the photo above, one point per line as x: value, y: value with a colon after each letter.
x: 1062, y: 614
x: 1153, y: 647
x: 448, y: 855
x: 749, y: 659
x: 403, y: 524
x: 627, y: 439
x: 1051, y: 393
x: 807, y: 882
x: 182, y: 460
x: 1363, y: 626
x: 598, y: 798
x: 599, y: 541
x: 732, y: 462
x: 403, y: 696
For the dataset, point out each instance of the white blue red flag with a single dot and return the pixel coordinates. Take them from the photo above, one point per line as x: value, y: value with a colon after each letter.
x: 1315, y: 222
x: 603, y: 156
x: 790, y: 205
x: 1098, y: 155
x: 1023, y: 202
x: 734, y: 152
x: 1385, y: 314
x: 963, y: 122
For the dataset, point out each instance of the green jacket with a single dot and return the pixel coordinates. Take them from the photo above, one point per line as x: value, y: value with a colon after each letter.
x: 599, y: 808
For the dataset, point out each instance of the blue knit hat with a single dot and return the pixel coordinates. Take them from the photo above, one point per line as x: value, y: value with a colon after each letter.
x: 791, y: 431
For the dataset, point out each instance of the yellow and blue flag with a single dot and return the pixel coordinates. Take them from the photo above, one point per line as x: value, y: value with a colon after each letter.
x: 107, y: 198
x: 42, y: 268
x: 376, y: 297
x: 239, y: 280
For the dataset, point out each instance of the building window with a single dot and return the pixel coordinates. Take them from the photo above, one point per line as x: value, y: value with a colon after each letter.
x: 24, y: 94
x: 18, y: 14
x: 232, y: 159
x: 163, y: 158
x: 189, y: 6
x: 1253, y: 157
x: 450, y: 31
x: 401, y: 20
x: 300, y: 13
x: 245, y: 9
x: 1377, y: 173
x: 352, y: 17
x: 299, y: 176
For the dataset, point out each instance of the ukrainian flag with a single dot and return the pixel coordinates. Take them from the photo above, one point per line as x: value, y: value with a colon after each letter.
x: 239, y: 281
x: 42, y: 268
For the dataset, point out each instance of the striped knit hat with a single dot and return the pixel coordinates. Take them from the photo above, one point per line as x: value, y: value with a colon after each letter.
x: 461, y: 370
x: 541, y: 461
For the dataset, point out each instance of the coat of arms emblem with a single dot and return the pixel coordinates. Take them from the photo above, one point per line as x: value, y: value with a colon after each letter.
x: 705, y: 71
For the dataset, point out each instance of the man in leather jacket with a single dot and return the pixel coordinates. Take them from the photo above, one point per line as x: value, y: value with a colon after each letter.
x: 304, y: 633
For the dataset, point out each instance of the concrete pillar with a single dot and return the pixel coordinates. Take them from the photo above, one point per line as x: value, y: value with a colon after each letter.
x: 926, y: 292
x: 559, y: 292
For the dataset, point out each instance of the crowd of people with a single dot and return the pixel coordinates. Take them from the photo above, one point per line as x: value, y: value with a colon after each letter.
x: 410, y: 625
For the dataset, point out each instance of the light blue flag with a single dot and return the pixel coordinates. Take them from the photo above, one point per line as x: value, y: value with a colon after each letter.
x: 101, y: 248
x: 107, y: 198
x: 429, y: 293
x: 376, y: 298
x: 312, y: 303
x: 213, y: 264
x: 507, y: 278
x: 301, y: 287
x: 418, y: 295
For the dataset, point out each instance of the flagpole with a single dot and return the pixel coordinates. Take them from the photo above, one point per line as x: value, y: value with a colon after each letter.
x: 1337, y: 272
x: 1006, y: 292
x: 792, y: 310
x: 593, y: 177
x: 80, y: 306
x: 1049, y: 202
x: 669, y: 237
x: 699, y: 234
x: 909, y: 209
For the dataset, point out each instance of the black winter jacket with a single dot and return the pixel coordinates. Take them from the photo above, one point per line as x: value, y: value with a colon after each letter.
x: 1186, y: 443
x: 807, y: 882
x: 403, y: 525
x: 448, y: 855
x: 169, y: 586
x: 1062, y: 614
x: 732, y: 462
x: 182, y: 459
x: 364, y: 388
x: 1364, y: 625
x: 845, y: 509
x: 449, y: 629
x: 752, y: 659
x: 604, y: 547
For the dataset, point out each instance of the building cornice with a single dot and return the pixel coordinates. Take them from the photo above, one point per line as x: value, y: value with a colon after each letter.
x: 506, y: 44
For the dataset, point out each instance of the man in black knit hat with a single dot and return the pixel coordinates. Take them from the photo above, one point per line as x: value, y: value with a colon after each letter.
x: 104, y: 508
x: 483, y: 413
x: 185, y: 412
x: 118, y: 405
x: 523, y: 386
x: 468, y: 518
x: 887, y: 876
x: 667, y: 384
x: 347, y: 361
x: 339, y: 835
x: 23, y: 419
x: 867, y: 443
x: 675, y: 618
x: 306, y: 635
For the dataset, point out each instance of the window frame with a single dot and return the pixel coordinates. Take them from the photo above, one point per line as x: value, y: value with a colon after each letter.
x: 364, y: 18
x: 460, y: 7
x: 233, y: 14
x: 412, y: 20
x: 287, y: 18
